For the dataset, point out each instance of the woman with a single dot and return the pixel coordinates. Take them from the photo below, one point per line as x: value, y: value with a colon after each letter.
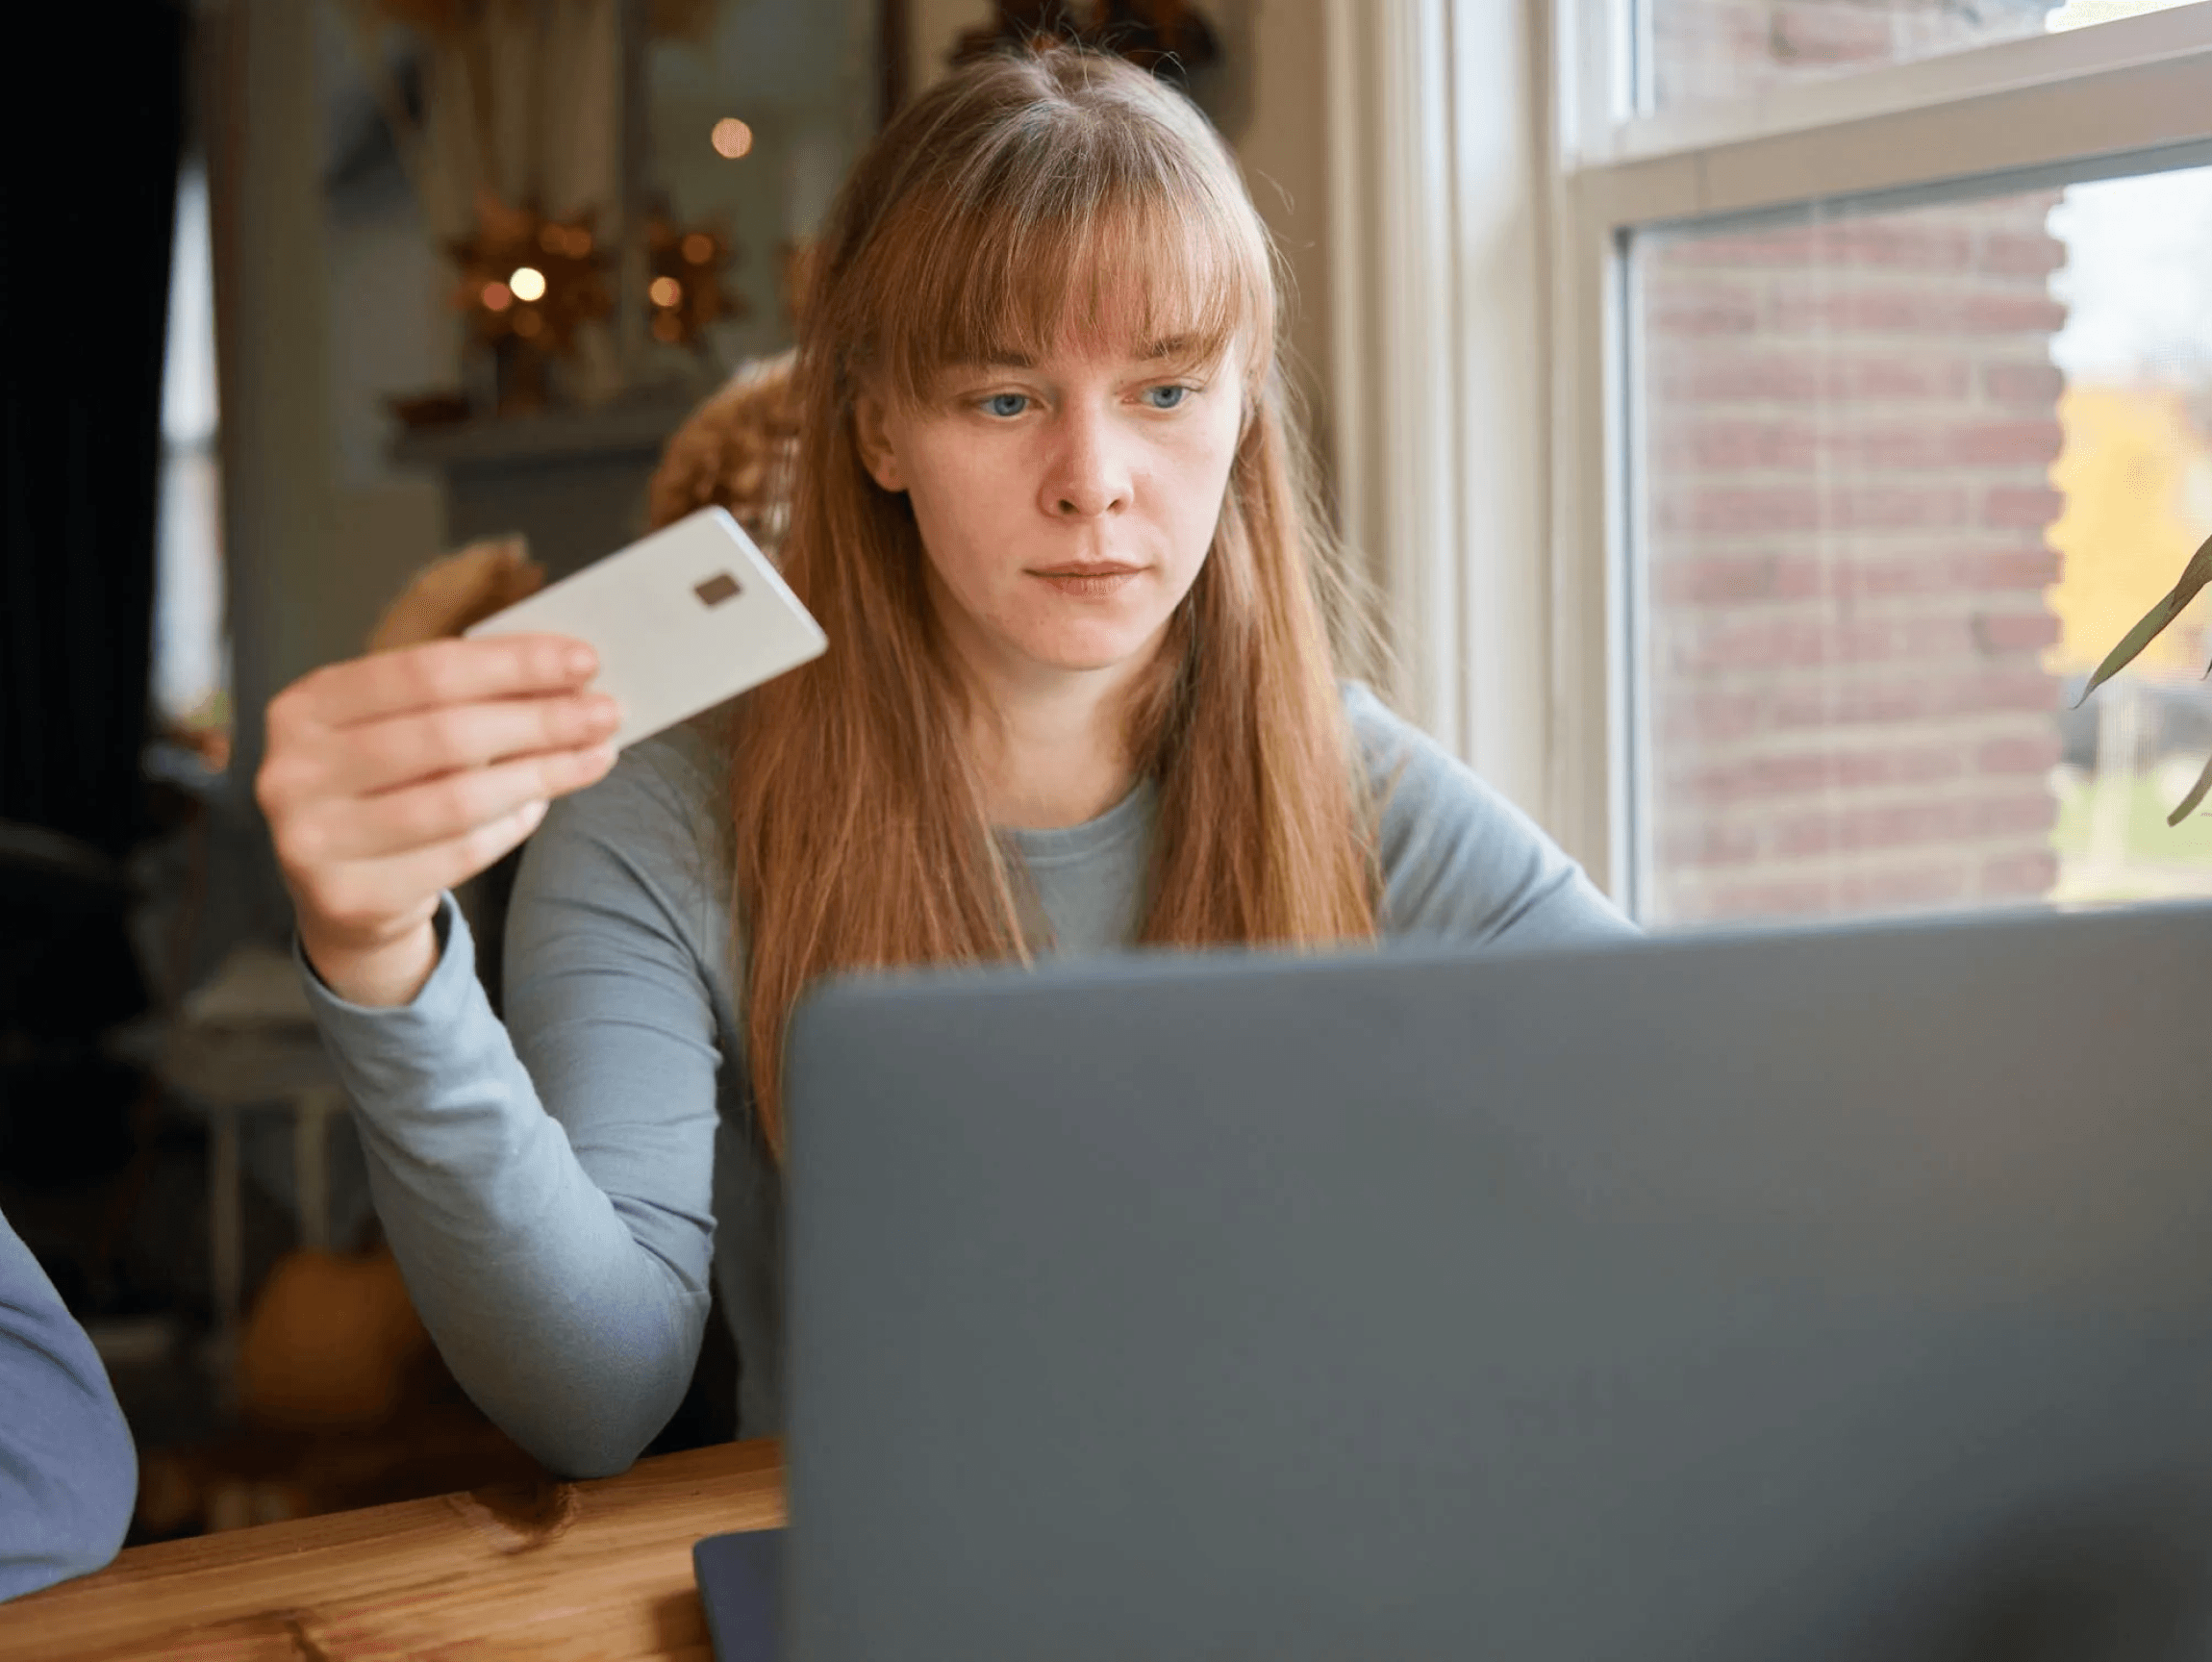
x: 1079, y: 695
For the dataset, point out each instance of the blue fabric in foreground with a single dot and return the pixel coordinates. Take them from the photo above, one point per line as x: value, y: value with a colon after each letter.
x: 68, y: 1471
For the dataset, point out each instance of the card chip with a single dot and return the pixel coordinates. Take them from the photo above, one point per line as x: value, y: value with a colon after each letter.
x: 716, y: 589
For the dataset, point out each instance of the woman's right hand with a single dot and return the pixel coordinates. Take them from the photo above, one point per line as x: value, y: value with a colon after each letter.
x: 391, y: 778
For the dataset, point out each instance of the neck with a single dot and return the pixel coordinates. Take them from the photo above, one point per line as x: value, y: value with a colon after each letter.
x: 1054, y: 756
x: 1051, y: 746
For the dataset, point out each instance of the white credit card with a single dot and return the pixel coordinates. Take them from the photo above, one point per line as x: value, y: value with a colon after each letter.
x: 686, y: 617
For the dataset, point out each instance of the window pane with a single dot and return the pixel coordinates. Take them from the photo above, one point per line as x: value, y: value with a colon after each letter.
x: 1905, y: 478
x: 1718, y: 49
x: 190, y: 667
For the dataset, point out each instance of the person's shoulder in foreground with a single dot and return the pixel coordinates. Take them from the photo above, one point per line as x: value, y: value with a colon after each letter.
x: 68, y: 1472
x: 1458, y: 859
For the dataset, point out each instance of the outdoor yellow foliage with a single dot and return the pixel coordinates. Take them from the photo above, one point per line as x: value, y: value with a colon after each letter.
x: 2135, y: 474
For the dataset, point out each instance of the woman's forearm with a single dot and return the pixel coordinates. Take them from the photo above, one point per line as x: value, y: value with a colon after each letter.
x: 565, y: 1329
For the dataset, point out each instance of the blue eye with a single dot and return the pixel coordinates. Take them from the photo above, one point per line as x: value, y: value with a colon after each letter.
x: 1165, y: 397
x: 1008, y: 404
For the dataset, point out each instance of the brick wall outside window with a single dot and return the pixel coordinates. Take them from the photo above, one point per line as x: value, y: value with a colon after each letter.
x: 1850, y: 429
x: 1729, y: 48
x: 1848, y: 432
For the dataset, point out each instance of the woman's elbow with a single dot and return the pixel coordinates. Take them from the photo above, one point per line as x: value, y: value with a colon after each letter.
x: 66, y: 1506
x: 602, y: 1437
x: 578, y: 1454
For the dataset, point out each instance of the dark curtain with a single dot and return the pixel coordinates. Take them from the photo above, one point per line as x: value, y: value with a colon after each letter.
x: 89, y: 201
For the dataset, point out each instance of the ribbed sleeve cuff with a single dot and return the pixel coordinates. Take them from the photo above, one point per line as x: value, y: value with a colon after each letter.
x: 436, y: 1003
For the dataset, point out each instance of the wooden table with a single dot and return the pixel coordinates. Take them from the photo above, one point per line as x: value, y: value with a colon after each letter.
x: 599, y: 1570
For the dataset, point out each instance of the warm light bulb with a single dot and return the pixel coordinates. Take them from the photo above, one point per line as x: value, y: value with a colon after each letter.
x: 698, y: 249
x: 731, y: 138
x: 496, y: 296
x: 666, y: 291
x: 527, y: 281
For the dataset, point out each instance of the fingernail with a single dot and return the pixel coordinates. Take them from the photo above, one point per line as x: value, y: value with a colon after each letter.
x: 582, y: 660
x: 532, y: 812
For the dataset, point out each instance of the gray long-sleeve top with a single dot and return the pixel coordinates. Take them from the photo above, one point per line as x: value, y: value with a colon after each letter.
x: 555, y: 1189
x: 68, y: 1471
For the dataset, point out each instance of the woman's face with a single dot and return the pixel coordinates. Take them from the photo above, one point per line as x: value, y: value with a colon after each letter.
x: 1066, y: 506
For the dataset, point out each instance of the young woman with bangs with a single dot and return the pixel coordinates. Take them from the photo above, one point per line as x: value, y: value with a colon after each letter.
x: 1080, y: 696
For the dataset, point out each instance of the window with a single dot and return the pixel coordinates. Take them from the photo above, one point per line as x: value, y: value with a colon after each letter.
x: 1692, y: 50
x: 1905, y: 477
x: 1886, y: 409
x: 192, y: 673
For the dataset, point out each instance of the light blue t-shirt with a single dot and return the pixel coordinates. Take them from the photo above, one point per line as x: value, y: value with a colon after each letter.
x: 556, y: 1188
x: 68, y: 1472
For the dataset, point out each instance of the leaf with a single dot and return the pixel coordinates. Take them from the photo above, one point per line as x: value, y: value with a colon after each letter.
x: 2194, y: 576
x: 2195, y: 797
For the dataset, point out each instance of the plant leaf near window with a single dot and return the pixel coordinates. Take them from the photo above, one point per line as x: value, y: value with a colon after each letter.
x: 2193, y: 577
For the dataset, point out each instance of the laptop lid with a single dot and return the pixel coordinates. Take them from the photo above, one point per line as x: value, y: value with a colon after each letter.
x: 1818, y: 1293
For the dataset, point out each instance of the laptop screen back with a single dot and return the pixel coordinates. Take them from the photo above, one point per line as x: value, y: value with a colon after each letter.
x: 1805, y: 1294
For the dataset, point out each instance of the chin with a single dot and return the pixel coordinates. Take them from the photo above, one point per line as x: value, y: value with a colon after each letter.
x: 1091, y: 649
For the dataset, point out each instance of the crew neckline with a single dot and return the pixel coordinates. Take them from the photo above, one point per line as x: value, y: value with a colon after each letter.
x: 1064, y: 843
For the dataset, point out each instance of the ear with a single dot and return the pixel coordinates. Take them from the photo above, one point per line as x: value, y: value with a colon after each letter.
x: 872, y: 432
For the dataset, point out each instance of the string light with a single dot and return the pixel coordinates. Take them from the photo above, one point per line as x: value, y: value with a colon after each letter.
x: 528, y: 283
x: 731, y: 138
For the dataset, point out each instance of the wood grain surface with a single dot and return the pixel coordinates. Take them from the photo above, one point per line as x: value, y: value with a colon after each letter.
x: 599, y: 1570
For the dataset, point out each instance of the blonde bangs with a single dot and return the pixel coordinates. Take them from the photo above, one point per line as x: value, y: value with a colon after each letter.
x: 1068, y: 232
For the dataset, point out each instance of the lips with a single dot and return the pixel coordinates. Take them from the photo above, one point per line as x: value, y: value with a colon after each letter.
x: 1095, y: 581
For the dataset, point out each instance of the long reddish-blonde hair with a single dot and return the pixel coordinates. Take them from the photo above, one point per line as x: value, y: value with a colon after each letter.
x: 1023, y: 200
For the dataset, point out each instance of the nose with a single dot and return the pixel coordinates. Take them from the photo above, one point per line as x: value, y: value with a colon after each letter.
x: 1088, y: 476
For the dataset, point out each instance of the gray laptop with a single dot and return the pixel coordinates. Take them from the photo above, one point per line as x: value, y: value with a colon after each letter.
x: 1843, y: 1294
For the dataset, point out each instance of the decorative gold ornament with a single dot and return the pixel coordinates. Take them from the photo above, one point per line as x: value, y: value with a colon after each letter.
x: 530, y: 278
x: 685, y: 293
